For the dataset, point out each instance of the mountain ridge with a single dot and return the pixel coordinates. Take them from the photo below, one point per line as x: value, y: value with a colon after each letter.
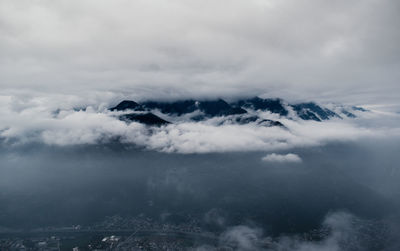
x: 243, y: 110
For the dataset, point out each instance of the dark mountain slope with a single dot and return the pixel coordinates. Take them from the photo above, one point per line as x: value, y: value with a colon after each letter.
x: 174, y: 108
x: 144, y: 118
x: 234, y: 112
x: 219, y: 108
x: 127, y: 105
x: 312, y: 111
x: 209, y: 108
x: 256, y: 103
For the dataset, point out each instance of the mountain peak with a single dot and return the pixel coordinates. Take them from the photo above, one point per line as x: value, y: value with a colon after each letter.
x: 312, y: 111
x: 145, y: 118
x: 126, y: 105
x: 239, y: 112
x: 219, y: 108
x: 257, y: 103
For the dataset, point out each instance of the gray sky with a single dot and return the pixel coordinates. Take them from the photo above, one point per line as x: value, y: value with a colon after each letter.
x: 336, y: 50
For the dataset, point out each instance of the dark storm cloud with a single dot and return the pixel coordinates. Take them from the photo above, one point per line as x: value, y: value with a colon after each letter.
x: 337, y: 49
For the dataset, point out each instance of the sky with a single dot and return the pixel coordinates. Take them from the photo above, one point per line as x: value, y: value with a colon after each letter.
x: 64, y: 63
x: 340, y: 50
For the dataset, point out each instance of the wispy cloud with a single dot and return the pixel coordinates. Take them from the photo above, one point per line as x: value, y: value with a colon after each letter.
x: 342, y: 231
x: 282, y: 158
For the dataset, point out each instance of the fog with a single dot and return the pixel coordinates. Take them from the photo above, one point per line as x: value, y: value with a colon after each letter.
x: 67, y: 160
x: 62, y: 186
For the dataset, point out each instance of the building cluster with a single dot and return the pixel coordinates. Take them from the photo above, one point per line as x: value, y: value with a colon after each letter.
x: 28, y: 244
x: 141, y: 223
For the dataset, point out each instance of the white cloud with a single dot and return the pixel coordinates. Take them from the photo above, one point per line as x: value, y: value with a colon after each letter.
x: 53, y: 120
x: 178, y: 48
x: 282, y: 158
x: 344, y: 232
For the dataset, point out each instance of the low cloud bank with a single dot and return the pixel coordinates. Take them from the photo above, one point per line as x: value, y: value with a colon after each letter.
x: 41, y: 120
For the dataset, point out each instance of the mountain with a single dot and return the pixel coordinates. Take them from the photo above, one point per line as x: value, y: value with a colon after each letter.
x: 256, y: 103
x: 242, y: 111
x: 219, y: 108
x: 242, y: 120
x: 144, y: 118
x: 312, y: 111
x: 174, y: 108
x: 348, y: 114
x: 208, y: 108
x: 356, y: 108
x: 127, y: 105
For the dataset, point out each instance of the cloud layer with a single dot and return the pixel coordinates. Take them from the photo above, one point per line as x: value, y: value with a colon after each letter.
x: 42, y: 120
x: 346, y: 50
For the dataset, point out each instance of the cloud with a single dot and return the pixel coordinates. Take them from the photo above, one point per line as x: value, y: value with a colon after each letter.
x: 339, y: 231
x: 282, y: 158
x: 215, y: 217
x: 241, y: 238
x: 342, y: 236
x: 43, y: 119
x: 346, y: 50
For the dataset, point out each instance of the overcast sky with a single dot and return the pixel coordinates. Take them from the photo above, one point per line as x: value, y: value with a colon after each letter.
x: 341, y: 50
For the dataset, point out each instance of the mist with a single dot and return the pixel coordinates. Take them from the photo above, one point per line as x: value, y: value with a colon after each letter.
x: 243, y: 177
x: 82, y: 185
